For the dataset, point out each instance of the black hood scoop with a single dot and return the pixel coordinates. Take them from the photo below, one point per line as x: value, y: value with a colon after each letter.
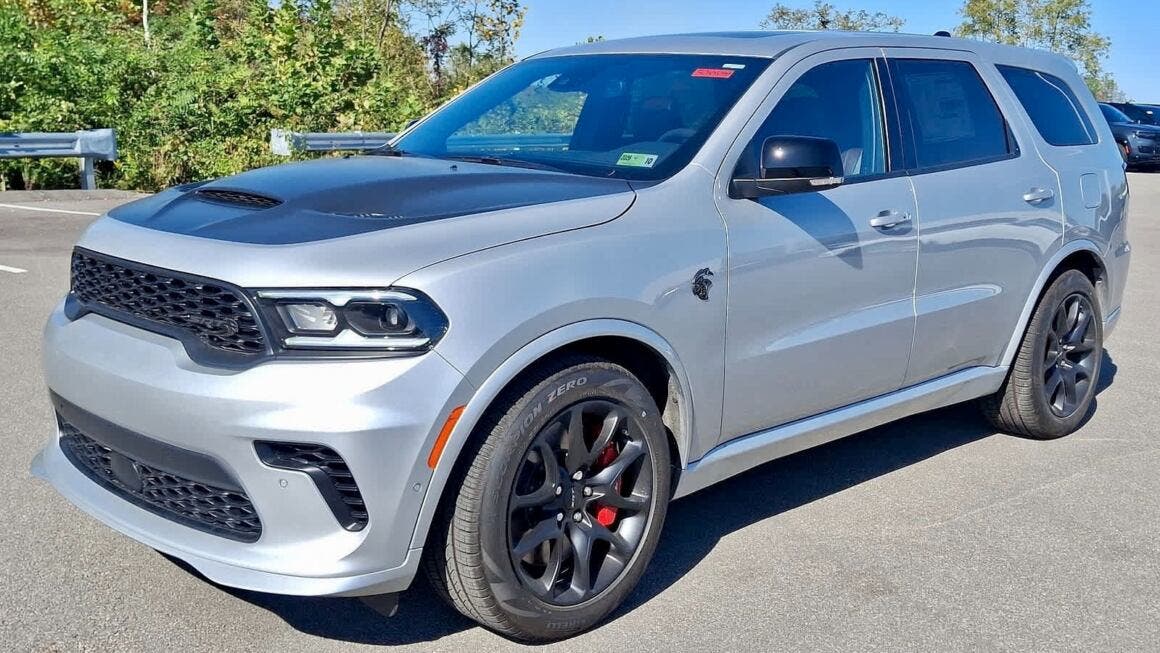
x: 236, y: 198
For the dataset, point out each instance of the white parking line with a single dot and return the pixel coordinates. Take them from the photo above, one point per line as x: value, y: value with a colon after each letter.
x: 5, y: 268
x: 37, y: 208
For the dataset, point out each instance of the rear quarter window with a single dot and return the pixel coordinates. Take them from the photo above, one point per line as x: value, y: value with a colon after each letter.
x: 1053, y: 107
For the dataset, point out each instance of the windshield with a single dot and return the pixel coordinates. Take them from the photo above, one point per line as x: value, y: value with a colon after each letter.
x: 1113, y: 114
x: 631, y: 116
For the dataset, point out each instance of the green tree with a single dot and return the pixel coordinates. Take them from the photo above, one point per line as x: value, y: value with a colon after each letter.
x: 823, y: 16
x: 199, y: 99
x: 1061, y: 26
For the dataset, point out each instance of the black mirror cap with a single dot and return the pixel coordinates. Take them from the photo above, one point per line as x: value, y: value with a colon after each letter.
x: 793, y: 164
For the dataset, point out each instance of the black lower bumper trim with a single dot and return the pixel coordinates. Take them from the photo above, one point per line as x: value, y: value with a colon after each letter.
x: 183, y: 486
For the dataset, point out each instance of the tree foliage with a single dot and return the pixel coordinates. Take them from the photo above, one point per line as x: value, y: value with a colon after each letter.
x: 1062, y: 26
x: 824, y: 16
x: 197, y: 100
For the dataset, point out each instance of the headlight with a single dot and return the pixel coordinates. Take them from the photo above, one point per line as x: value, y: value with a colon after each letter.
x: 1150, y: 135
x: 395, y: 321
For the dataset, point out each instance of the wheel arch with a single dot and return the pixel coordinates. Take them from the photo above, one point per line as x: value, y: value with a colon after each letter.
x: 636, y: 347
x: 1082, y: 255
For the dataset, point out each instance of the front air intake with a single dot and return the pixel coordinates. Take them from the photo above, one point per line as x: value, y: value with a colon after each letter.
x: 329, y: 472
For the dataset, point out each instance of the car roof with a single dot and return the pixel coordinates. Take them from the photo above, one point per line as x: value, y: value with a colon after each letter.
x: 770, y: 44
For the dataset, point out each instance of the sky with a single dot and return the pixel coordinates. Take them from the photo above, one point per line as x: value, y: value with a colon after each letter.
x: 1131, y: 26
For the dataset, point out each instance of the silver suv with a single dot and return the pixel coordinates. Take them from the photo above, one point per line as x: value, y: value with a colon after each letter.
x: 606, y: 277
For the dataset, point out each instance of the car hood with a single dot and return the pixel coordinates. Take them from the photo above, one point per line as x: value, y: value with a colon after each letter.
x: 1135, y: 127
x: 353, y: 221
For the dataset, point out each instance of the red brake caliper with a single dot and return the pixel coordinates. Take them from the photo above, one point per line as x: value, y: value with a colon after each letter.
x: 606, y: 515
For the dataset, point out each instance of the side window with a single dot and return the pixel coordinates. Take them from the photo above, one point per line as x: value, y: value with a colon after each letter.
x: 1053, y: 107
x: 949, y: 113
x: 839, y: 101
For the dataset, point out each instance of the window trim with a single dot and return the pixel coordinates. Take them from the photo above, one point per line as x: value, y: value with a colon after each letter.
x: 911, y: 166
x: 1086, y: 122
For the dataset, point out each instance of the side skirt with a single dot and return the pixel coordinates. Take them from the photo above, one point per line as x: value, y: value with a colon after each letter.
x: 738, y: 455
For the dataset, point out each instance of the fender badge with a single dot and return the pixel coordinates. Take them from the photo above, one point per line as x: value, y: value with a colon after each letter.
x: 702, y: 284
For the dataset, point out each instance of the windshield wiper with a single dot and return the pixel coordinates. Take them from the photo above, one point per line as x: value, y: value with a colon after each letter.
x: 504, y: 161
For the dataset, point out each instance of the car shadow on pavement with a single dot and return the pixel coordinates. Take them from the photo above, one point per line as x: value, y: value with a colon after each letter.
x: 694, y: 524
x: 692, y: 529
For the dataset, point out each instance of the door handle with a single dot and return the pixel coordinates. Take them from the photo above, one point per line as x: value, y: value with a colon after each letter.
x: 1037, y: 195
x: 888, y: 219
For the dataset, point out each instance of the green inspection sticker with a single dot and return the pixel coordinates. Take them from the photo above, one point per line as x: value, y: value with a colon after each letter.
x: 637, y: 160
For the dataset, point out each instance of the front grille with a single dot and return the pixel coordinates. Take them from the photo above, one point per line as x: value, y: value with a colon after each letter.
x: 235, y: 197
x: 215, y: 510
x: 329, y: 472
x: 216, y: 315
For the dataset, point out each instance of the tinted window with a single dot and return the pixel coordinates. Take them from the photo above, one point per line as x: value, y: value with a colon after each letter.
x: 1113, y: 114
x: 1138, y: 113
x: 838, y: 101
x: 1052, y: 105
x: 948, y: 113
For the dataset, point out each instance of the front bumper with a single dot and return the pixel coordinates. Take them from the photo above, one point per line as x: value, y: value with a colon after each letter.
x: 380, y: 415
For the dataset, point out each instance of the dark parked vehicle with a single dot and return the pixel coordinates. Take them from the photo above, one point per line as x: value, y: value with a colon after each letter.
x: 1139, y: 144
x: 1144, y: 114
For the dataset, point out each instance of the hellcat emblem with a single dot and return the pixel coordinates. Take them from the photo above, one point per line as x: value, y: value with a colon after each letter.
x: 702, y: 284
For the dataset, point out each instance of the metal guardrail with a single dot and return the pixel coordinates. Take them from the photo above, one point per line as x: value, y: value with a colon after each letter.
x: 89, y: 146
x: 285, y: 143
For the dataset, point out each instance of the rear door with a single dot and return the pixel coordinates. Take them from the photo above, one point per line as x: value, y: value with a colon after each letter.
x: 988, y: 209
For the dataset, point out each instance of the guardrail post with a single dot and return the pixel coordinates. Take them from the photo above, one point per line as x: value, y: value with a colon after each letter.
x: 88, y: 174
x: 88, y: 145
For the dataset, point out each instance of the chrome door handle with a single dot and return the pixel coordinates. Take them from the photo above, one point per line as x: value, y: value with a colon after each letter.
x: 1037, y: 195
x: 888, y: 219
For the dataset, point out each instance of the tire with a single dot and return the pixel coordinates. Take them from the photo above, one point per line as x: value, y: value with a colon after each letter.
x: 1052, y: 382
x: 481, y: 556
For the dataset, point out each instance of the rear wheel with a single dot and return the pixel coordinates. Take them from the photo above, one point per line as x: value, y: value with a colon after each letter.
x: 1052, y: 382
x: 561, y: 506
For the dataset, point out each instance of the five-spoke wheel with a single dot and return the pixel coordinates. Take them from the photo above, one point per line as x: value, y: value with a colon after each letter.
x: 581, y: 501
x: 558, y: 513
x: 1052, y: 381
x: 1069, y: 357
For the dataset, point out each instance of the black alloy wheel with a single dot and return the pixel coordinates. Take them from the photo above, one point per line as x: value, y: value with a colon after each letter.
x: 559, y: 501
x: 580, y: 503
x: 1070, y: 355
x: 1051, y: 384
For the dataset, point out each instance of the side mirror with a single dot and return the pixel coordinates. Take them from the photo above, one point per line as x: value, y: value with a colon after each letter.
x: 793, y: 164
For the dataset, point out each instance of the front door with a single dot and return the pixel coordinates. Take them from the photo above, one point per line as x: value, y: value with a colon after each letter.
x: 820, y: 310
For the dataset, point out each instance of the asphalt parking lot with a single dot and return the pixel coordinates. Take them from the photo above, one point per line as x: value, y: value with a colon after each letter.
x: 933, y: 533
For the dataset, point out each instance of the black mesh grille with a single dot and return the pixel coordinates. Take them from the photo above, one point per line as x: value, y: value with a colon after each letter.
x: 202, y: 506
x: 330, y: 473
x: 240, y: 198
x: 216, y: 315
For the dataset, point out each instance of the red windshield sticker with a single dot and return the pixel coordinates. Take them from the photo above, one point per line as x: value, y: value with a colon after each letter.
x: 715, y: 73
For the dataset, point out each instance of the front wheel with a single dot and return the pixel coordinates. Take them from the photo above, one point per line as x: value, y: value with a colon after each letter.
x: 559, y: 511
x: 1052, y: 382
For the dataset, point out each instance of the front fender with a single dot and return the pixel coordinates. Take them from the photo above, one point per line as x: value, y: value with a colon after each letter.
x: 511, y: 367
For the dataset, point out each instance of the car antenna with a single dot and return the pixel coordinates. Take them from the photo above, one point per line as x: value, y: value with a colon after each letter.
x: 942, y: 32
